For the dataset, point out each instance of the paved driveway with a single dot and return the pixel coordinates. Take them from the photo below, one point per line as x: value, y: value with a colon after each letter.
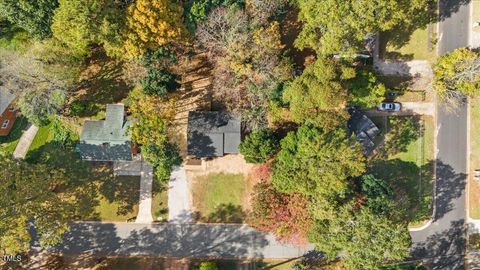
x: 175, y: 240
x: 179, y: 199
x: 408, y: 108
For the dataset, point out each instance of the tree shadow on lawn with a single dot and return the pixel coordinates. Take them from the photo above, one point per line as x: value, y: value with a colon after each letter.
x: 102, y: 83
x: 401, y: 132
x: 400, y: 36
x: 227, y: 213
x: 88, y: 181
x: 412, y: 195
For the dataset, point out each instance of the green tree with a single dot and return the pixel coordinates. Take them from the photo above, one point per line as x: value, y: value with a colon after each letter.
x: 365, y: 239
x: 318, y: 95
x: 162, y: 156
x: 457, y: 73
x: 259, y: 146
x: 208, y: 266
x: 39, y: 106
x: 159, y: 82
x: 28, y: 195
x: 364, y: 90
x: 379, y: 195
x: 81, y: 23
x: 152, y: 24
x: 332, y: 26
x: 315, y: 162
x: 34, y: 16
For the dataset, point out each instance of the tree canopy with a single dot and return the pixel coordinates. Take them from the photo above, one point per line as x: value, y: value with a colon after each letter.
x: 332, y: 26
x: 318, y: 94
x: 317, y: 162
x: 152, y: 24
x: 79, y: 24
x: 366, y: 239
x: 259, y: 146
x: 457, y: 72
x: 364, y: 89
x: 34, y: 16
x: 28, y: 195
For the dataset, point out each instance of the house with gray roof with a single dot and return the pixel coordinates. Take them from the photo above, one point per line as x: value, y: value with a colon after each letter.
x: 213, y: 134
x: 106, y: 140
x: 364, y: 129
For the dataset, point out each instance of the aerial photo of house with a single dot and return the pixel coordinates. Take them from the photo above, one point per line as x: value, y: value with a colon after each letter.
x: 240, y: 134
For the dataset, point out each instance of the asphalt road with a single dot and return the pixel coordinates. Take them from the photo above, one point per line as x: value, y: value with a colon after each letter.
x: 454, y: 25
x: 234, y: 241
x: 443, y: 242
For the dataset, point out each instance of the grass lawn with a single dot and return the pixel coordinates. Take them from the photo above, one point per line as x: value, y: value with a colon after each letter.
x: 474, y: 188
x: 410, y: 172
x: 9, y: 143
x: 265, y: 264
x: 44, y: 136
x: 160, y: 201
x: 220, y: 197
x: 118, y: 199
x: 416, y: 47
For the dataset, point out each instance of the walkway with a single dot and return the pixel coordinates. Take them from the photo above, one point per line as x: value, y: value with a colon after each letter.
x: 179, y: 199
x: 145, y: 206
x: 175, y: 240
x: 25, y: 141
x: 138, y: 167
x: 408, y: 108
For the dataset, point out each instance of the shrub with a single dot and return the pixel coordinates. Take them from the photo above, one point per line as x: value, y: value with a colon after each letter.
x: 259, y: 146
x: 162, y: 157
x: 159, y: 82
x: 208, y: 266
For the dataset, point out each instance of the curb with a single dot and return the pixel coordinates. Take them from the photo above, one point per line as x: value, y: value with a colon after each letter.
x: 429, y: 222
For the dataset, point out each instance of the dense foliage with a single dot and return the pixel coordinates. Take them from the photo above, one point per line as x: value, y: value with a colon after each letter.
x: 316, y: 162
x: 259, y: 146
x: 34, y: 16
x: 163, y: 156
x: 208, y: 266
x: 29, y: 196
x: 79, y: 24
x: 287, y: 215
x: 332, y: 26
x: 457, y: 73
x: 159, y: 82
x: 152, y: 24
x: 364, y: 90
x: 318, y: 94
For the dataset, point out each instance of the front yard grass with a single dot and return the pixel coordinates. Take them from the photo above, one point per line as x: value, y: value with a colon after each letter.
x: 118, y: 199
x: 416, y: 48
x: 44, y: 136
x: 409, y: 169
x: 474, y: 185
x: 9, y: 143
x: 160, y: 200
x: 219, y: 197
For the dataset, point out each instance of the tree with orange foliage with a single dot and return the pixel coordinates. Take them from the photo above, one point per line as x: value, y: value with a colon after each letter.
x: 152, y: 24
x: 286, y: 215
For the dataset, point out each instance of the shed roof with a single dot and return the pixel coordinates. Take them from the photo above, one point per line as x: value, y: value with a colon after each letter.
x: 213, y: 134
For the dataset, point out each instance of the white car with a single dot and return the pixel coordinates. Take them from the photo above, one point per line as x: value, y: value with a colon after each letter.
x: 390, y: 106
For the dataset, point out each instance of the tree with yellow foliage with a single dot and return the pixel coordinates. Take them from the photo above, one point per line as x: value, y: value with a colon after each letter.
x: 153, y: 23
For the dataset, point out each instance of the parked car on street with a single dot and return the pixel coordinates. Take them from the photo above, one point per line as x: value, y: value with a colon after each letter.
x: 390, y: 106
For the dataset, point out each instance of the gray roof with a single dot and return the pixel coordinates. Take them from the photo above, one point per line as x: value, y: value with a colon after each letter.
x: 365, y: 130
x: 6, y: 97
x: 213, y: 134
x: 106, y: 140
